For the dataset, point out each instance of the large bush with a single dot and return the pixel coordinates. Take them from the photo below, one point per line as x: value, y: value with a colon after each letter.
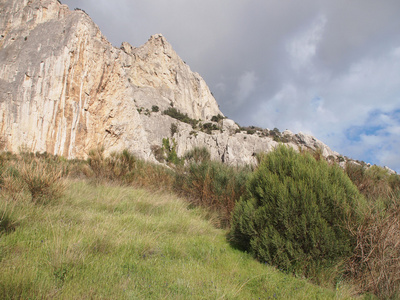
x: 295, y: 213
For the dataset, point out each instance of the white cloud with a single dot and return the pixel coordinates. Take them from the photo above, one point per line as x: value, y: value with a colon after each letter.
x: 303, y: 47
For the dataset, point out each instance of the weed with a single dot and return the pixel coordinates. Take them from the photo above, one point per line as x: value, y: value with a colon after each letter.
x: 80, y: 9
x: 373, y: 182
x: 11, y: 186
x: 96, y: 161
x: 213, y: 185
x: 43, y: 180
x: 170, y: 152
x: 197, y: 155
x: 375, y: 264
x: 121, y: 166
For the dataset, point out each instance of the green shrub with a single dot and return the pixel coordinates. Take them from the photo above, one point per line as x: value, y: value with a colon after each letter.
x: 197, y: 155
x: 174, y: 129
x: 295, y: 211
x: 170, y: 152
x: 217, y: 118
x: 155, y: 108
x: 251, y: 131
x: 209, y: 127
x: 394, y: 182
x: 176, y: 114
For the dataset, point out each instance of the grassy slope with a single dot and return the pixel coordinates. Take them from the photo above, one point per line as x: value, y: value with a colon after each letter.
x: 114, y: 242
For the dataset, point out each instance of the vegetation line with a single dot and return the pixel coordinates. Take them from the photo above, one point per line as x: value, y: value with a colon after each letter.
x: 280, y: 212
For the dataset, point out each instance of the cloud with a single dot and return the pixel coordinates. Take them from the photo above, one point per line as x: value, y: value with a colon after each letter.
x: 317, y: 66
x: 378, y: 137
x: 303, y: 47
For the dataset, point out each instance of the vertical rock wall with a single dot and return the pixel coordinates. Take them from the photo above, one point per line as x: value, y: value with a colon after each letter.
x: 65, y: 89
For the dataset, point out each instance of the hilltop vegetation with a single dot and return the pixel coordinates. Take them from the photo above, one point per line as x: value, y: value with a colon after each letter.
x: 116, y: 227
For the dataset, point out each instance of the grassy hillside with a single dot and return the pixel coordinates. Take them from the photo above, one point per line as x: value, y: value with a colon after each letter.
x: 112, y: 242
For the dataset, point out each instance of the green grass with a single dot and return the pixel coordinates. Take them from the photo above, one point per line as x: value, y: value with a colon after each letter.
x: 124, y: 243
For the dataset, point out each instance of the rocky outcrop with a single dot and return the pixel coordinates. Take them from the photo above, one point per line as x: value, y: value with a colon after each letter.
x: 65, y: 89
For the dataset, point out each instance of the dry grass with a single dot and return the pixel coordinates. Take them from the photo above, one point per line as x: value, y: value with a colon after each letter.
x: 217, y: 187
x: 11, y: 187
x: 375, y: 265
x: 7, y: 221
x: 374, y: 182
x: 124, y: 168
x: 112, y: 242
x: 214, y: 186
x: 43, y: 180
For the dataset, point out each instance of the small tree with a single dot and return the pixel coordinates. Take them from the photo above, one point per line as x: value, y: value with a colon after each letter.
x: 294, y: 212
x: 170, y: 152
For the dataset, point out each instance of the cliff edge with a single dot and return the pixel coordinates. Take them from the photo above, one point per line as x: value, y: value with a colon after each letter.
x: 65, y: 89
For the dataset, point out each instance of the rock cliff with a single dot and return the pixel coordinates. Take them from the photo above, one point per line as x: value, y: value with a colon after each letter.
x: 65, y: 89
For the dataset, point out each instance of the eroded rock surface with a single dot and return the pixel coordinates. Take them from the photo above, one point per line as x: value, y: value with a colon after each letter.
x: 65, y: 89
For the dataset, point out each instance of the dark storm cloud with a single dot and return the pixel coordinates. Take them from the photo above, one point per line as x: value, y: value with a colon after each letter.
x: 322, y: 67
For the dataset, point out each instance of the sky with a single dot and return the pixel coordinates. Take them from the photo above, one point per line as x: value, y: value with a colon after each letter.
x: 330, y: 68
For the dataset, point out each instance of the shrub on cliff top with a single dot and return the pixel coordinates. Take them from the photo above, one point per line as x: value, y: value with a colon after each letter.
x: 294, y: 213
x: 176, y: 114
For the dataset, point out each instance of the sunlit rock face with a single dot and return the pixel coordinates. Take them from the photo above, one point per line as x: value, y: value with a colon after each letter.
x: 65, y: 89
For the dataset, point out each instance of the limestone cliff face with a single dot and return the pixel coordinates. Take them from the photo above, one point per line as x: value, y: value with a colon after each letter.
x: 65, y: 89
